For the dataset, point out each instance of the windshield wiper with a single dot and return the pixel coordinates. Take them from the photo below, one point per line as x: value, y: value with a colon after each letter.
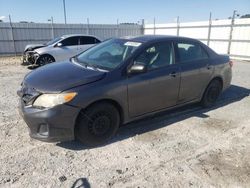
x: 87, y: 65
x: 84, y: 63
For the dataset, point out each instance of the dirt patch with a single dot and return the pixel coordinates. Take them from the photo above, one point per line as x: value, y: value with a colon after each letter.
x: 190, y: 147
x: 219, y: 124
x: 224, y: 167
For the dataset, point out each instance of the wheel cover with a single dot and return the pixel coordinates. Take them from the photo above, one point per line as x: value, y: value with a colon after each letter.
x: 99, y: 125
x: 45, y: 60
x: 213, y: 94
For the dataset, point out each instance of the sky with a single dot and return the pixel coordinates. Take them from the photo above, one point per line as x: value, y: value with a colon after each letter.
x: 108, y: 11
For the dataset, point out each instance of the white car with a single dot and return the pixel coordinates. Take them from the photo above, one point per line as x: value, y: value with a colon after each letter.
x: 59, y: 49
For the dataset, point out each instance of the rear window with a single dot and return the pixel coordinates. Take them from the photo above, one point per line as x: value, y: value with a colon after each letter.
x: 190, y: 52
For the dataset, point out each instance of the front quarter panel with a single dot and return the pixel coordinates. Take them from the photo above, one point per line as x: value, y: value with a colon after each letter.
x: 44, y: 50
x: 108, y: 88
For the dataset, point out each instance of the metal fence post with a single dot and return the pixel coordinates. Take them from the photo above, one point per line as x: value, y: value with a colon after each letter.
x: 52, y: 28
x: 209, y: 28
x: 178, y: 26
x: 231, y: 33
x: 12, y: 36
x: 88, y: 26
x: 117, y: 29
x: 143, y: 26
x: 154, y: 26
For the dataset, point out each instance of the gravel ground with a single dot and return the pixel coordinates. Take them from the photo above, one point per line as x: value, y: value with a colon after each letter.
x: 189, y: 147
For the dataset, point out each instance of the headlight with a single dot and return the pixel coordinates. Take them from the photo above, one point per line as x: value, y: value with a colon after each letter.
x: 51, y: 100
x: 32, y: 53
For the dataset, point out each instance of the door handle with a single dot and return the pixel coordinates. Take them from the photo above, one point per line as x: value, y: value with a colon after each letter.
x: 173, y: 74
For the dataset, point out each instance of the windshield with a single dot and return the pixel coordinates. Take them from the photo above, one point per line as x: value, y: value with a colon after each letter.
x: 109, y: 54
x: 53, y: 41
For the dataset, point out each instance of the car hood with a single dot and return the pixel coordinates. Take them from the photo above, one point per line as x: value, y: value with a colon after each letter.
x: 33, y: 46
x: 60, y: 76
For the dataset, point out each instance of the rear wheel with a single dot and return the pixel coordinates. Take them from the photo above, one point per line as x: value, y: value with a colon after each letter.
x: 212, y: 93
x: 44, y: 60
x: 97, y: 124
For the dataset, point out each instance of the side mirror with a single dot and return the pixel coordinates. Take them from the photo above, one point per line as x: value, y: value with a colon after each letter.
x: 59, y: 44
x: 137, y: 68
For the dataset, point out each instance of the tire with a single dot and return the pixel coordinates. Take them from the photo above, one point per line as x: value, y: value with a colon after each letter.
x: 211, y: 93
x: 45, y: 59
x: 97, y: 124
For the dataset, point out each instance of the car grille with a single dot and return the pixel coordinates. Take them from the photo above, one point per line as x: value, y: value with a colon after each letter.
x: 27, y: 94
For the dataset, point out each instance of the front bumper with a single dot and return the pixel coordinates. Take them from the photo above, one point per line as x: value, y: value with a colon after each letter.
x: 30, y: 57
x: 50, y: 125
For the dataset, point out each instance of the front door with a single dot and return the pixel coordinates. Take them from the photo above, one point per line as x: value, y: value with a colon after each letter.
x: 158, y: 87
x: 69, y: 48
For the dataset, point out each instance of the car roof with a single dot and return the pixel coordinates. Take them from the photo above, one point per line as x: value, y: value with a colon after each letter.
x: 155, y: 38
x: 76, y: 35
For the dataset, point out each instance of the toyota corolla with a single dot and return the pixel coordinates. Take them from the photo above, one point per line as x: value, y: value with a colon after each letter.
x: 120, y: 80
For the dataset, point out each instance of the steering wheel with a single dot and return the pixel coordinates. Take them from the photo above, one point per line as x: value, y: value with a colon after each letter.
x: 105, y: 55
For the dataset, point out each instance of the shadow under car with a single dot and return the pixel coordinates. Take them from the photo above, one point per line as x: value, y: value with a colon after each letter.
x: 233, y: 94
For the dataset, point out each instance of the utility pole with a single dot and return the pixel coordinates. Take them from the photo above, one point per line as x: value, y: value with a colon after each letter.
x: 52, y: 27
x: 65, y: 19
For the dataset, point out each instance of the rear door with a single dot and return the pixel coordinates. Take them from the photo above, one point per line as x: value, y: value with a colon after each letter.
x: 68, y: 49
x: 158, y: 87
x: 196, y: 70
x: 86, y: 42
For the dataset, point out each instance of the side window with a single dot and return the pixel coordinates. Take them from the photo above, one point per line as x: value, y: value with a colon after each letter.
x: 71, y: 41
x: 156, y: 56
x: 190, y: 52
x: 97, y: 40
x: 88, y: 40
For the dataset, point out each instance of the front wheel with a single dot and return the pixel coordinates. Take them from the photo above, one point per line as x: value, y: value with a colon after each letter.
x: 44, y: 60
x: 97, y: 124
x: 211, y: 94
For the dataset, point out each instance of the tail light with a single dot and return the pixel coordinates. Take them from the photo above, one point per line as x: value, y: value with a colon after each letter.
x: 231, y: 63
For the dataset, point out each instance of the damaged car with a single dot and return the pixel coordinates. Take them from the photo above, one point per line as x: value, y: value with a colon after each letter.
x: 58, y: 49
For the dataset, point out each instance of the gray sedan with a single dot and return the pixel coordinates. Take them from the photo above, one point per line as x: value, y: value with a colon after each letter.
x: 120, y: 80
